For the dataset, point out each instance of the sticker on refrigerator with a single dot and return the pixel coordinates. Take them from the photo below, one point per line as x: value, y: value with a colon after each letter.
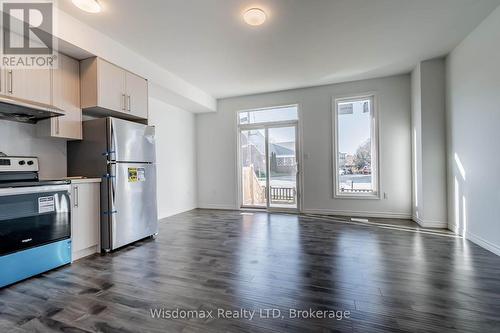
x: 136, y: 175
x: 141, y: 174
x: 132, y: 175
x: 46, y: 205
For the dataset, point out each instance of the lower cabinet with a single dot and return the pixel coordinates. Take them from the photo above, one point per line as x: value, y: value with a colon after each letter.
x: 85, y: 218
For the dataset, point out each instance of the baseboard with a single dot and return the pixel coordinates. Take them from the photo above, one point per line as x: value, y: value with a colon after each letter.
x: 387, y: 215
x: 430, y: 223
x: 483, y: 243
x: 453, y: 227
x: 217, y: 206
x: 177, y: 212
x: 85, y: 252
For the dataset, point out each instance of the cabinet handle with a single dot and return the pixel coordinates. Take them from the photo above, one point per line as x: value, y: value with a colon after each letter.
x: 10, y: 81
x: 76, y: 197
x: 124, y: 106
x: 57, y: 125
x: 129, y: 102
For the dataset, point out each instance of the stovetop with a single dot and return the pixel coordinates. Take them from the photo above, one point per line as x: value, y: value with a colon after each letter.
x: 34, y: 183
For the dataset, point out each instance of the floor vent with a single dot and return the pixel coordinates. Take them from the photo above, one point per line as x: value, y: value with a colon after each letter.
x: 359, y: 220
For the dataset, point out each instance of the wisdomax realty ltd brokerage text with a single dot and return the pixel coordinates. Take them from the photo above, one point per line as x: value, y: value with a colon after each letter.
x: 247, y: 314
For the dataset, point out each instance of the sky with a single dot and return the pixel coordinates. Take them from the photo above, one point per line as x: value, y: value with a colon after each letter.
x: 354, y: 129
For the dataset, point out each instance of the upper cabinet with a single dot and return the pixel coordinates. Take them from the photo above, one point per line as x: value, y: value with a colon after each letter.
x: 64, y: 95
x: 107, y: 89
x: 32, y: 85
x: 137, y: 95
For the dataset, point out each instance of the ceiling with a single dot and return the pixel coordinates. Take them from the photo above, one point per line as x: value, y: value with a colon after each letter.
x: 303, y: 43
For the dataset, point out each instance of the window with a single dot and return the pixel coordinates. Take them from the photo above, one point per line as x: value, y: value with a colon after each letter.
x: 355, y: 145
x: 278, y: 114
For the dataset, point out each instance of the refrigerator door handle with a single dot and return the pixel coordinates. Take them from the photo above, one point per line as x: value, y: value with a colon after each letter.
x: 110, y: 213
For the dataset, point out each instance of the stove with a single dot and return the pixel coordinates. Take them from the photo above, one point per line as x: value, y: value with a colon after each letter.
x: 35, y: 220
x: 21, y: 171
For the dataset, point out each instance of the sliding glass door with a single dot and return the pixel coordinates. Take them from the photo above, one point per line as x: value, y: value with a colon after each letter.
x: 253, y: 168
x: 268, y: 158
x: 282, y: 156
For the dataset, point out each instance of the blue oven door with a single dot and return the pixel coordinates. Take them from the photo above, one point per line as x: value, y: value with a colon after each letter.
x: 33, y: 216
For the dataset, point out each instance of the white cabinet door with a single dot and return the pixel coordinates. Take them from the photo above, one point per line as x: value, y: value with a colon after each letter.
x: 111, y: 86
x: 108, y: 90
x: 85, y: 219
x: 29, y: 84
x: 65, y: 96
x: 137, y: 95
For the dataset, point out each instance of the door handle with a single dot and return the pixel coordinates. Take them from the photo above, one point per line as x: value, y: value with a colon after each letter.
x: 76, y: 203
x: 129, y: 102
x: 10, y: 89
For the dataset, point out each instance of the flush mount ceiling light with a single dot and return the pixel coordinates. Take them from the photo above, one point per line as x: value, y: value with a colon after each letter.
x: 254, y: 16
x: 89, y: 6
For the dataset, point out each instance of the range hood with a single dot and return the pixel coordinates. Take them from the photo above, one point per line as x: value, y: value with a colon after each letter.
x: 24, y: 111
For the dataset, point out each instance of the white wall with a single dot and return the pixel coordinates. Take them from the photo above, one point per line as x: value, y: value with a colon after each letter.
x: 176, y: 157
x: 429, y: 144
x: 416, y: 136
x: 217, y: 137
x: 473, y: 110
x: 20, y: 139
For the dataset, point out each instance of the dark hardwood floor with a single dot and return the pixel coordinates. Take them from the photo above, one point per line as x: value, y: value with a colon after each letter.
x: 388, y: 280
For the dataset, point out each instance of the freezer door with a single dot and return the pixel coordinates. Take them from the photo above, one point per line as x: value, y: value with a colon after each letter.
x: 130, y: 142
x: 132, y: 202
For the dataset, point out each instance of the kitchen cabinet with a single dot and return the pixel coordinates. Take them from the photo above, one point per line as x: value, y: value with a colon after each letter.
x: 137, y: 95
x: 111, y: 86
x: 65, y: 96
x: 85, y: 217
x: 32, y: 85
x: 109, y: 90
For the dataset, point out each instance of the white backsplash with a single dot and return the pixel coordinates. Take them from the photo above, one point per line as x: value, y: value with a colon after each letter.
x: 21, y: 139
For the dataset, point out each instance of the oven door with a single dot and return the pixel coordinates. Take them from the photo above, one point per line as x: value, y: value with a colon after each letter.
x: 33, y: 216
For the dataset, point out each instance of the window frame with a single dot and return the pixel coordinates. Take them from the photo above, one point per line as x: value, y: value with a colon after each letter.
x: 268, y: 123
x: 299, y: 157
x: 337, y: 194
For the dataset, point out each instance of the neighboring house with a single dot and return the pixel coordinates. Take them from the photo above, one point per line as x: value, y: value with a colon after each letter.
x: 253, y: 152
x: 282, y: 157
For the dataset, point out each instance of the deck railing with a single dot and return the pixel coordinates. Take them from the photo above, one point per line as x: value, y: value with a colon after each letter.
x: 281, y: 194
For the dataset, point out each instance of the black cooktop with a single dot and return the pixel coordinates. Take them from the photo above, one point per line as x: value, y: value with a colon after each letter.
x: 35, y: 183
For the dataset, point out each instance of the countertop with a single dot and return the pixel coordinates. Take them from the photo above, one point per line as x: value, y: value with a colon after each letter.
x: 79, y: 180
x: 84, y: 180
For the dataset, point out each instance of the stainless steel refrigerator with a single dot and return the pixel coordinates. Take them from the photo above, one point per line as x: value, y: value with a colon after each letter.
x: 123, y: 154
